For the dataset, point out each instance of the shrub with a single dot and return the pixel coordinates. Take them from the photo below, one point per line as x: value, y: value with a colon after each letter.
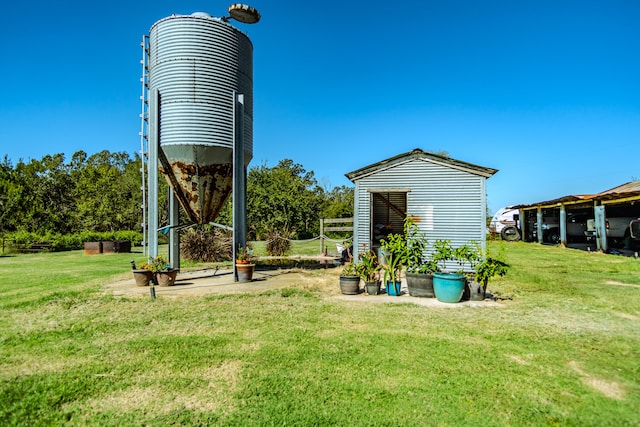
x: 278, y: 243
x: 68, y: 242
x: 206, y: 244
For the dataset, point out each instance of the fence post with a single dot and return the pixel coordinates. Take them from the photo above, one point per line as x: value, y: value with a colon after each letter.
x: 322, y: 235
x: 332, y: 221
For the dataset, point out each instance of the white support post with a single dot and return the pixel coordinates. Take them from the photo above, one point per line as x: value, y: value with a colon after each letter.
x: 239, y: 181
x: 152, y: 167
x: 174, y: 230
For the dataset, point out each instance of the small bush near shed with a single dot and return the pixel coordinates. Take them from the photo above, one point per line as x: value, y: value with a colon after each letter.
x: 278, y: 243
x: 206, y: 244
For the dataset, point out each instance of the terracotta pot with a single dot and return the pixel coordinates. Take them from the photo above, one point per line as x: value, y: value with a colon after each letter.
x: 245, y: 272
x: 142, y: 277
x: 166, y: 278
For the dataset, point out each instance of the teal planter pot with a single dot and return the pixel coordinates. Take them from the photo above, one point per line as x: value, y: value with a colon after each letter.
x: 448, y: 287
x: 393, y: 289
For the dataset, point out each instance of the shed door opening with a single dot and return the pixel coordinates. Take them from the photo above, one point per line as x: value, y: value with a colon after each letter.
x: 388, y: 211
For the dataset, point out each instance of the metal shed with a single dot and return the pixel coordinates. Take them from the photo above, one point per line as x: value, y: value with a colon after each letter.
x: 447, y: 195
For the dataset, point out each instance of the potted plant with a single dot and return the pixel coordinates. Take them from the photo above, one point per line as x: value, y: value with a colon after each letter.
x: 447, y: 286
x: 349, y: 280
x: 395, y: 255
x: 488, y: 268
x: 244, y: 265
x: 367, y: 270
x: 163, y: 273
x: 420, y: 268
x: 467, y: 257
x: 142, y: 276
x: 244, y: 255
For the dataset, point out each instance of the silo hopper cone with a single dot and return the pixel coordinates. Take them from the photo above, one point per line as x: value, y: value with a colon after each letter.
x: 200, y: 176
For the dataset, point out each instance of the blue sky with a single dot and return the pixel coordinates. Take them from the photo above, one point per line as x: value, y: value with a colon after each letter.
x: 548, y: 92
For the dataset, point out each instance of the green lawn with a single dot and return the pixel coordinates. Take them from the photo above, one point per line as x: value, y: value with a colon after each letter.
x: 564, y: 349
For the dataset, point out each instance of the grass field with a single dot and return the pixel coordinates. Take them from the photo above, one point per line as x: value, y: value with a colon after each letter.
x: 563, y: 349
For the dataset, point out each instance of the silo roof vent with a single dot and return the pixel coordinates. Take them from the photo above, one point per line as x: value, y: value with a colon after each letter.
x: 201, y: 15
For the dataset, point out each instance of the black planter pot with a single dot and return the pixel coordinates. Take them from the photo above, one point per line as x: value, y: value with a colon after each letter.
x: 373, y: 288
x: 474, y: 291
x: 350, y: 285
x: 420, y: 285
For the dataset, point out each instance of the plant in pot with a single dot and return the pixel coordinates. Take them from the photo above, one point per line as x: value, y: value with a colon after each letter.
x: 447, y: 286
x: 488, y: 268
x: 420, y: 268
x: 349, y: 280
x: 163, y: 273
x: 395, y: 248
x: 142, y: 276
x: 467, y: 257
x: 367, y: 270
x: 244, y: 265
x: 244, y: 255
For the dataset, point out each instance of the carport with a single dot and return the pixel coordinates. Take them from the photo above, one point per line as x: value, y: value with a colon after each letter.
x: 582, y: 217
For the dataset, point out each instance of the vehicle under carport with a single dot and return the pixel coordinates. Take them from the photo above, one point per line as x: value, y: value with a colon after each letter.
x: 601, y: 220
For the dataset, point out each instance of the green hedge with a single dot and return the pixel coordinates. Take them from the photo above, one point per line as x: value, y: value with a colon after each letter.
x: 67, y: 242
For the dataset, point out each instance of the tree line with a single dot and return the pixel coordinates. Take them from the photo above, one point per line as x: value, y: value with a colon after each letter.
x: 102, y: 193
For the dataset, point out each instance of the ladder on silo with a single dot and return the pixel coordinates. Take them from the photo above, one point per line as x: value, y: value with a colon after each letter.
x: 144, y: 138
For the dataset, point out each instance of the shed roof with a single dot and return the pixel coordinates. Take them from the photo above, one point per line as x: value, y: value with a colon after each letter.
x: 422, y: 155
x: 628, y: 191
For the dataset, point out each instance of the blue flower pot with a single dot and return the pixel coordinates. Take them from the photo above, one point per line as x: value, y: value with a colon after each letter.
x: 448, y: 287
x: 393, y: 289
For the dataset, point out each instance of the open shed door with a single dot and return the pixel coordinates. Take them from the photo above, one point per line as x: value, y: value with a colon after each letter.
x: 388, y: 211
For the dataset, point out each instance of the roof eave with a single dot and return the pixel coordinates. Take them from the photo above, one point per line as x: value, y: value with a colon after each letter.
x: 419, y: 154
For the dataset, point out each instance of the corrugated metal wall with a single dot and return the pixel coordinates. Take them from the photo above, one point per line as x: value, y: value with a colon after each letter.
x: 197, y: 62
x: 450, y: 203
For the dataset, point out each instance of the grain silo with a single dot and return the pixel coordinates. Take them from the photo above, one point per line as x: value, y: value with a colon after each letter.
x: 196, y: 65
x: 197, y: 111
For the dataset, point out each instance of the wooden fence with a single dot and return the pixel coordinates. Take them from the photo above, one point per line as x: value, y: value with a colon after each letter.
x: 342, y: 227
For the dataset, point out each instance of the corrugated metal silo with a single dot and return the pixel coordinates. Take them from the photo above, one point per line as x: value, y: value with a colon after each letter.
x: 197, y: 63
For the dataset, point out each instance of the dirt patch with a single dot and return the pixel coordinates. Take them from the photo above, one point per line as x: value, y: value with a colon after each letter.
x: 152, y: 396
x: 626, y: 316
x: 611, y: 282
x: 519, y: 360
x: 323, y: 281
x: 208, y: 282
x: 609, y: 389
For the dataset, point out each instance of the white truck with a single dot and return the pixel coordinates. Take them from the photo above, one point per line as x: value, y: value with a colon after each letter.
x: 618, y: 230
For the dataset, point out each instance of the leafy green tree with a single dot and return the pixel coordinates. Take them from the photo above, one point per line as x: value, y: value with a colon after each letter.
x: 101, y: 193
x: 338, y: 202
x: 9, y: 196
x: 39, y: 197
x: 285, y: 197
x: 107, y: 191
